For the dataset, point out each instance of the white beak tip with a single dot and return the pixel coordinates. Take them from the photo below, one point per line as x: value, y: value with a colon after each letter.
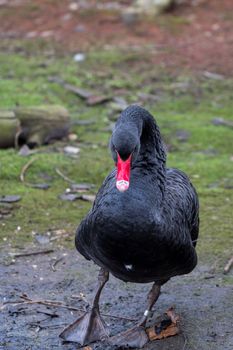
x: 122, y: 185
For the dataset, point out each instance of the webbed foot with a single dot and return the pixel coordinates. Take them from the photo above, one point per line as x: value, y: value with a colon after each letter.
x: 135, y: 337
x: 87, y: 329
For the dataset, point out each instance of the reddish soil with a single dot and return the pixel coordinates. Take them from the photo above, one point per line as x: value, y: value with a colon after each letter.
x: 198, y: 37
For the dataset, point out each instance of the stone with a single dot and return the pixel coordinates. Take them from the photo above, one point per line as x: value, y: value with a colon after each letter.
x: 154, y: 7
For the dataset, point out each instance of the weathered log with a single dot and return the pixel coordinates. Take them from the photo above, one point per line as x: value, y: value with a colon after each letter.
x: 9, y: 126
x: 43, y: 124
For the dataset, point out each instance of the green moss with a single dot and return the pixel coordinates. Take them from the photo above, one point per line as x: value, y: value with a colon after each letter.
x: 185, y: 102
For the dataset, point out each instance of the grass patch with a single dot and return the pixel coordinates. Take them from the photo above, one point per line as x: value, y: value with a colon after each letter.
x: 187, y: 103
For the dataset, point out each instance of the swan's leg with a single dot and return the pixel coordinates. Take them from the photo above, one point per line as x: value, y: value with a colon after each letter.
x: 136, y: 337
x: 90, y: 326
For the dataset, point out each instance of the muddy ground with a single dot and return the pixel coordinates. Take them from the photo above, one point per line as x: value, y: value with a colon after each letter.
x: 202, y: 299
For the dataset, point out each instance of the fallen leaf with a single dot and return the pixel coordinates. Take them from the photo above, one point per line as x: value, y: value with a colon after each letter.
x: 97, y: 99
x: 166, y: 328
x: 78, y: 91
x: 171, y: 313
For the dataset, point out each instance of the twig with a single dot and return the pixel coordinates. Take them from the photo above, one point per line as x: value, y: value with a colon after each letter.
x: 228, y: 265
x: 17, y: 138
x: 25, y: 168
x: 185, y: 341
x: 33, y: 253
x: 37, y: 324
x: 55, y: 263
x: 64, y: 176
x: 42, y: 186
x: 52, y: 303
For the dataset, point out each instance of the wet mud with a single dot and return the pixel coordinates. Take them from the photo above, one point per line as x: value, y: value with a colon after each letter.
x: 203, y: 301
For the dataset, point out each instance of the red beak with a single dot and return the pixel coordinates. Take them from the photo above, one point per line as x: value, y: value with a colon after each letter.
x: 123, y: 173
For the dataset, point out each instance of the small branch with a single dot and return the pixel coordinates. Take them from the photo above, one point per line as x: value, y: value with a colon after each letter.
x: 64, y: 176
x: 185, y: 341
x: 17, y: 138
x: 42, y: 186
x: 25, y: 168
x: 28, y: 301
x: 33, y: 253
x: 53, y: 265
x: 228, y: 266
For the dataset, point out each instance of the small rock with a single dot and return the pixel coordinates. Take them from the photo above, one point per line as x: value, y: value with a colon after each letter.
x: 42, y: 239
x: 154, y: 7
x: 79, y: 57
x: 10, y: 199
x: 213, y: 76
x: 72, y: 137
x: 73, y: 6
x: 221, y: 121
x: 73, y: 197
x: 71, y: 150
x: 69, y: 197
x: 88, y: 197
x: 26, y: 151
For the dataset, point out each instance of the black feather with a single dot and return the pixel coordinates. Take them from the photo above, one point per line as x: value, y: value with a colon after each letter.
x: 153, y: 226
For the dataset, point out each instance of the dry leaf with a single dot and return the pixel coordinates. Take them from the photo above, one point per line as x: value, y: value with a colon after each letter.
x: 166, y: 328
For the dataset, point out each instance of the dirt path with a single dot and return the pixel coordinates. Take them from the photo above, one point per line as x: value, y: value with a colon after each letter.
x: 203, y: 301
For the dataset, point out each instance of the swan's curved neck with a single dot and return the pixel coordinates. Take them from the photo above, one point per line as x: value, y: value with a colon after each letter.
x: 152, y: 149
x: 136, y: 125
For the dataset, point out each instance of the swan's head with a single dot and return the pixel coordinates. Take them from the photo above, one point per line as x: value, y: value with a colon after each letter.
x: 125, y: 146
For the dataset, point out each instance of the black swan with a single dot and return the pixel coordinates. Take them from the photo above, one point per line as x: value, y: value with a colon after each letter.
x: 143, y: 225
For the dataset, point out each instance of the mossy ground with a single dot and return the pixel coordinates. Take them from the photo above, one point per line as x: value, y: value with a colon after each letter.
x: 184, y: 101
